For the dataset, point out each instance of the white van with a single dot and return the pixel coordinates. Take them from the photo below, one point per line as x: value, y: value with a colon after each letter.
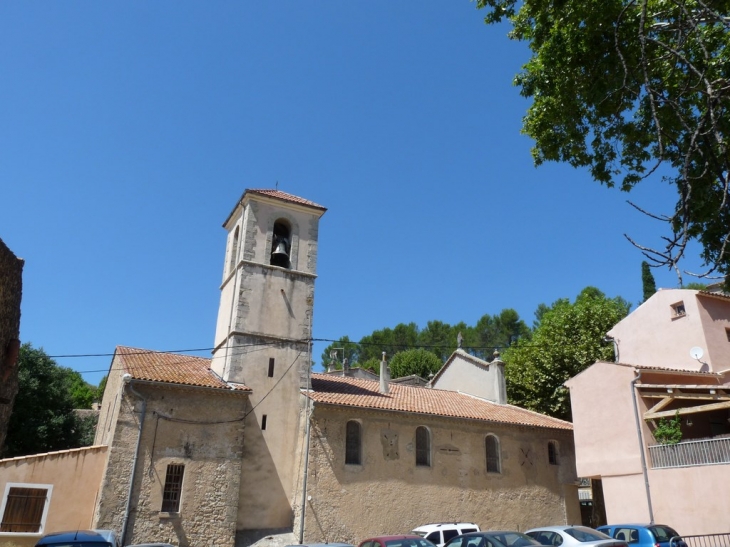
x: 441, y: 533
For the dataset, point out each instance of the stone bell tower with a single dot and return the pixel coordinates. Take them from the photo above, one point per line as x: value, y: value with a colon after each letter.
x: 261, y: 340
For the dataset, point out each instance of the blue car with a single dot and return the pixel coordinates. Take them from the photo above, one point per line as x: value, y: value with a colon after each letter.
x: 644, y: 535
x: 80, y: 538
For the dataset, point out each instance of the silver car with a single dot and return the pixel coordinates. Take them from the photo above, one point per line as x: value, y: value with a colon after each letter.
x: 573, y: 536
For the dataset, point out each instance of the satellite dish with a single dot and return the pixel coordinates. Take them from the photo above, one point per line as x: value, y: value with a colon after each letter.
x: 696, y: 353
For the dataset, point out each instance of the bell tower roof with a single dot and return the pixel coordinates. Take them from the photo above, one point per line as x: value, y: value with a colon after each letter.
x: 277, y: 195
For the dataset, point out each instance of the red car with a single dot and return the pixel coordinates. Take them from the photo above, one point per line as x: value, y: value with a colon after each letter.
x: 396, y: 541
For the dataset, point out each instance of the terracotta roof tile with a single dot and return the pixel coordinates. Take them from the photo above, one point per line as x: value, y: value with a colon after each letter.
x: 654, y: 368
x: 172, y: 368
x: 353, y: 392
x: 278, y: 194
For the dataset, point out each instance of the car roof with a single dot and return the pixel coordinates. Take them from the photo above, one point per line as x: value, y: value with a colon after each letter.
x: 401, y: 536
x: 645, y: 525
x: 87, y: 536
x: 559, y: 527
x: 436, y: 524
x: 322, y: 545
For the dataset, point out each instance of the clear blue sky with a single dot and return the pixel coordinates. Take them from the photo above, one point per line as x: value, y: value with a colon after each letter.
x: 129, y: 129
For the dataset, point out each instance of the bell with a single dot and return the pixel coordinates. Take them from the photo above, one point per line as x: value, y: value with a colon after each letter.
x: 280, y: 251
x: 280, y: 255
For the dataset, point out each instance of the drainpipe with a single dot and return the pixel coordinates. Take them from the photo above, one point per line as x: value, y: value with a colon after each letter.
x: 641, y: 445
x: 306, y: 467
x: 307, y: 435
x: 127, y: 379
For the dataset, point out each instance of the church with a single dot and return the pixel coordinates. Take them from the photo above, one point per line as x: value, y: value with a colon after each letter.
x: 251, y: 446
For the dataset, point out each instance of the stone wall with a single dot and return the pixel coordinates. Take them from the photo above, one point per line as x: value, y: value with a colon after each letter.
x: 389, y: 494
x: 11, y: 289
x: 199, y: 428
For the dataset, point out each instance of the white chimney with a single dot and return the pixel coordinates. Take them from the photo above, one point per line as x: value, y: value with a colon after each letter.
x: 384, y: 376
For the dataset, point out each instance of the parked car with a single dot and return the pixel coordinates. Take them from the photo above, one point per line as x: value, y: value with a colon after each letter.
x: 493, y: 538
x: 322, y: 545
x: 80, y: 538
x: 573, y: 536
x: 643, y: 535
x: 397, y: 541
x: 441, y: 533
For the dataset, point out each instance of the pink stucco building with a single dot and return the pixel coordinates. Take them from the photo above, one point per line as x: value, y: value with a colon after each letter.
x: 673, y: 359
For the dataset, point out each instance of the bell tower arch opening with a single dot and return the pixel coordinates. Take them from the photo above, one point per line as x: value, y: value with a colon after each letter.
x: 281, y: 244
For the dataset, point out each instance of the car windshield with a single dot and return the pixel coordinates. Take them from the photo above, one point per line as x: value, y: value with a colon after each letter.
x: 410, y: 542
x: 583, y: 534
x: 513, y: 539
x: 663, y: 533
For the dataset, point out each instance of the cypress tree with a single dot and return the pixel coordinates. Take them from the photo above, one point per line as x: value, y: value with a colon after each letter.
x: 647, y: 280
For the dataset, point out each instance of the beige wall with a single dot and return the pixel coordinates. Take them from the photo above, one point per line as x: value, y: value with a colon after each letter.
x: 389, y: 494
x: 110, y: 404
x: 715, y: 316
x: 691, y: 499
x: 652, y: 336
x: 269, y: 463
x: 197, y: 427
x: 74, y: 475
x: 486, y: 381
x: 604, y: 423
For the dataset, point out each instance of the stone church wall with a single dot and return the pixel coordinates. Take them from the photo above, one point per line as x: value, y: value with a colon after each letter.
x: 389, y: 494
x: 199, y: 428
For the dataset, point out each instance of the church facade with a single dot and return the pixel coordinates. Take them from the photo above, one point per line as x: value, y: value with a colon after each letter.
x: 250, y: 446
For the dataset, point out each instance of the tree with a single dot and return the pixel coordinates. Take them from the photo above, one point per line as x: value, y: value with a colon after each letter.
x: 43, y: 417
x: 498, y: 332
x: 414, y: 361
x: 344, y: 348
x: 439, y: 338
x: 82, y: 393
x: 647, y: 280
x: 629, y: 89
x: 569, y: 338
x: 388, y: 340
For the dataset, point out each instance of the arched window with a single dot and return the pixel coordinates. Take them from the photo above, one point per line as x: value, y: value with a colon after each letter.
x: 281, y: 244
x: 553, y: 455
x: 494, y: 464
x: 234, y: 252
x: 423, y: 446
x: 353, y: 441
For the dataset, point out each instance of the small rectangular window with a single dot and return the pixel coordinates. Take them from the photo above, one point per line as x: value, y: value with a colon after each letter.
x: 173, y: 488
x: 678, y: 310
x: 263, y: 422
x: 25, y: 509
x: 271, y: 367
x: 727, y: 334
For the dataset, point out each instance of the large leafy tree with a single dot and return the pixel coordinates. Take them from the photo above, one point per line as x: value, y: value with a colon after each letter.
x: 43, y: 417
x: 414, y: 361
x: 630, y: 88
x: 568, y: 339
